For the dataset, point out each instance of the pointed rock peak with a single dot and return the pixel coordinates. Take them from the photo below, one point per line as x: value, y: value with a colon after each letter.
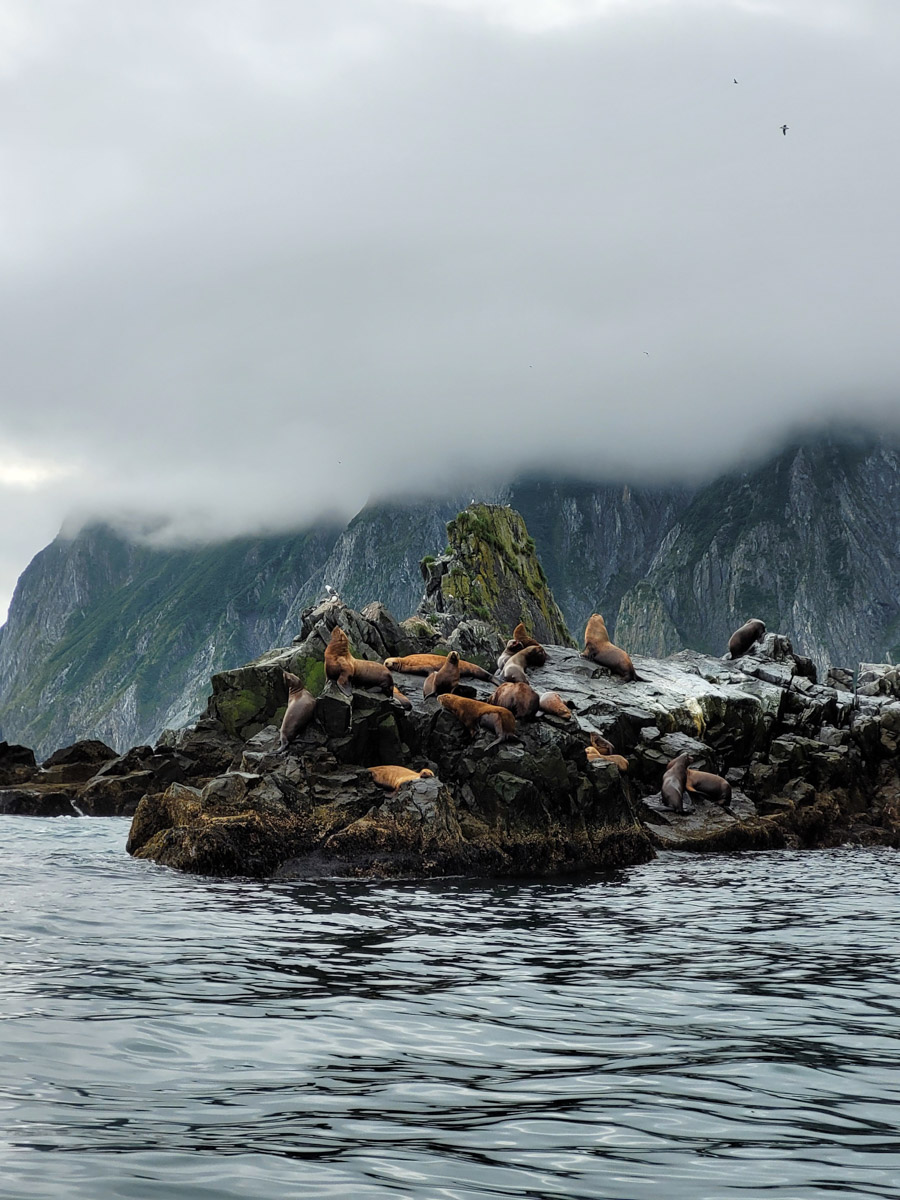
x: 491, y: 573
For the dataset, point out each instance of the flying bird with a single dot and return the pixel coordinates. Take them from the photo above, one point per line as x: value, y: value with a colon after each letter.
x: 735, y: 81
x: 784, y: 129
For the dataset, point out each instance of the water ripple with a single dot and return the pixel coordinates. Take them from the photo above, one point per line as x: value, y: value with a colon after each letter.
x: 701, y: 1029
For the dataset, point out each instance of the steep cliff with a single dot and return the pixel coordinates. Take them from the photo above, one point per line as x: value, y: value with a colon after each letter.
x: 809, y: 542
x: 491, y: 573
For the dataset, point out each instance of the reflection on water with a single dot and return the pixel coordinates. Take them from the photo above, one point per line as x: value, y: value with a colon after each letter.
x: 689, y: 1029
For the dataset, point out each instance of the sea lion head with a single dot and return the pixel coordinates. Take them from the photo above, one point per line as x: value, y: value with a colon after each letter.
x: 293, y: 681
x: 426, y: 774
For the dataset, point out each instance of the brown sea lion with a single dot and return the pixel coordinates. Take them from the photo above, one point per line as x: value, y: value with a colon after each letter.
x: 342, y: 667
x: 391, y: 777
x: 592, y: 754
x: 402, y: 700
x: 514, y: 669
x: 675, y: 782
x: 554, y: 705
x: 745, y: 637
x: 711, y: 787
x: 599, y: 649
x: 538, y: 655
x: 444, y: 680
x: 424, y: 664
x: 472, y: 713
x: 601, y: 744
x: 299, y: 712
x: 520, y: 698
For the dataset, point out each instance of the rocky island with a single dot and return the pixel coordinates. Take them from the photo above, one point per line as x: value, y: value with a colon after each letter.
x: 810, y: 764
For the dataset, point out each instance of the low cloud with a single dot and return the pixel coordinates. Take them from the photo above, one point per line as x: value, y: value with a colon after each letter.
x: 261, y: 263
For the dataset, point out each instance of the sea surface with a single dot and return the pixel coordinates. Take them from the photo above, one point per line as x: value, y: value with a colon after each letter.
x: 696, y: 1027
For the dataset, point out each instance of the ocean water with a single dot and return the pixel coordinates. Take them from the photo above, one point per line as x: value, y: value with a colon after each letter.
x: 692, y: 1028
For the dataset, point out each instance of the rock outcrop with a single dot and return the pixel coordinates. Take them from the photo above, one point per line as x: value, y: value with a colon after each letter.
x: 490, y: 573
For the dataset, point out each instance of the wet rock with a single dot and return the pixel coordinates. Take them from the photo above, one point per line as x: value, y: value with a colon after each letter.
x: 115, y: 795
x: 17, y: 764
x: 76, y: 763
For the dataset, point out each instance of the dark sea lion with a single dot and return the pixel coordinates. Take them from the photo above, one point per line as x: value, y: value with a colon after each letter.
x: 342, y: 667
x: 554, y: 705
x: 711, y: 787
x: 474, y: 713
x: 299, y: 713
x: 675, y: 782
x: 600, y: 650
x: 520, y: 698
x: 391, y: 777
x: 745, y: 637
x: 444, y: 680
x: 424, y: 664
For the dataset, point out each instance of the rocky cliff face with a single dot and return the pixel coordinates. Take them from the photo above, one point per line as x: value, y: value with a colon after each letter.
x: 491, y: 573
x: 112, y: 638
x: 809, y: 543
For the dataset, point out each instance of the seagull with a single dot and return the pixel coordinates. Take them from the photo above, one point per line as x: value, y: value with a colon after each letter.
x: 784, y: 129
x: 735, y: 81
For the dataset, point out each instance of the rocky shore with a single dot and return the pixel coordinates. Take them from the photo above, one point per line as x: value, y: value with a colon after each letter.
x: 809, y: 764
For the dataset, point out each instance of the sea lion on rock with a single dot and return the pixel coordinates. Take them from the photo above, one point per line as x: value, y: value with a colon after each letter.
x: 711, y: 787
x: 601, y: 750
x: 675, y: 782
x: 554, y: 705
x: 514, y: 669
x: 391, y: 777
x: 299, y: 712
x: 472, y: 713
x: 520, y: 698
x: 745, y: 637
x: 424, y: 664
x: 402, y: 700
x: 341, y: 666
x: 600, y: 650
x: 593, y: 755
x: 538, y: 655
x: 444, y: 680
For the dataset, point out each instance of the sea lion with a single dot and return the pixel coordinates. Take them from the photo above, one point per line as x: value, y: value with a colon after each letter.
x: 520, y: 698
x: 341, y: 666
x: 748, y: 634
x: 391, y: 777
x: 599, y: 649
x: 514, y: 669
x: 675, y: 781
x: 602, y: 750
x: 538, y: 655
x: 299, y: 712
x: 444, y: 680
x: 424, y: 664
x: 593, y: 755
x: 472, y: 713
x: 402, y: 700
x: 601, y: 744
x: 711, y: 787
x: 554, y: 705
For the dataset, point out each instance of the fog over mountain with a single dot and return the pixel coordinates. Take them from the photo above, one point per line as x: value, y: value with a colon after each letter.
x: 265, y: 261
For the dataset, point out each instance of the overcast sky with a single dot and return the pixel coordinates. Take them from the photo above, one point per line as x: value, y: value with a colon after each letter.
x: 270, y: 257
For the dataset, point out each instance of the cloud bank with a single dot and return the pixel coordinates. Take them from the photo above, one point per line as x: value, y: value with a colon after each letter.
x: 265, y: 260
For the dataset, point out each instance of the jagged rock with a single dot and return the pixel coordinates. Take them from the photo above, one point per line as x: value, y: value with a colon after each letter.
x: 75, y: 763
x: 491, y: 573
x: 115, y: 795
x: 840, y: 679
x: 17, y: 764
x: 878, y: 679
